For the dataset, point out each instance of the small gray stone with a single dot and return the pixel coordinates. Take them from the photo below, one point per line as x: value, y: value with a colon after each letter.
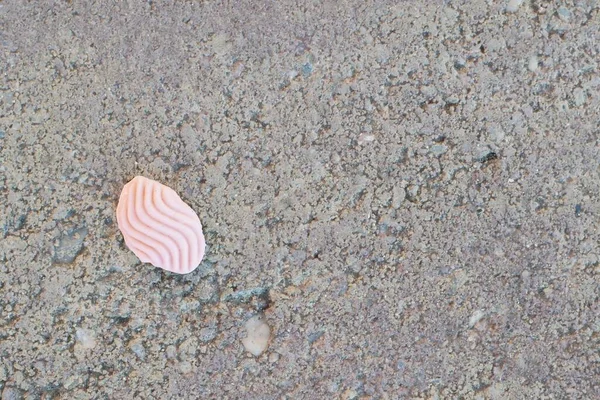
x: 564, y: 13
x: 438, y: 149
x: 207, y: 334
x: 69, y: 246
x: 307, y: 70
x: 171, y: 352
x: 138, y: 348
x: 313, y: 337
x: 452, y: 100
x: 185, y: 367
x: 580, y: 97
x: 10, y: 393
x: 513, y: 5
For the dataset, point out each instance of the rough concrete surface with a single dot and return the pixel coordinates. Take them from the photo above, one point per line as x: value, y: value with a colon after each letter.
x: 406, y: 191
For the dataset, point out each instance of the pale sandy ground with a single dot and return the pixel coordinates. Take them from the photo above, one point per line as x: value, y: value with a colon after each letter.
x: 407, y: 190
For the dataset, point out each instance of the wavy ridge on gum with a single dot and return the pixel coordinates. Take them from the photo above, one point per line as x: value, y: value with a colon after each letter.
x: 159, y: 227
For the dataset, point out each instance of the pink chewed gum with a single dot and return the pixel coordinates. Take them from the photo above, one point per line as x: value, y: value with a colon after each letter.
x: 159, y: 227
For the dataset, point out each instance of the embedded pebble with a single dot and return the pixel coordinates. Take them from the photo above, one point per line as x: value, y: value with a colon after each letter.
x: 497, y: 134
x: 257, y: 335
x: 476, y: 317
x: 307, y: 70
x: 138, y: 348
x: 207, y: 334
x: 185, y: 367
x: 85, y: 338
x: 365, y: 138
x: 398, y: 196
x: 171, y: 352
x: 10, y: 393
x: 564, y: 13
x: 513, y: 5
x: 438, y: 149
x: 580, y: 97
x: 69, y: 246
x: 532, y: 65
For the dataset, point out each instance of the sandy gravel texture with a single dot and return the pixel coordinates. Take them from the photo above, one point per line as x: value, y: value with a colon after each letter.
x: 406, y: 191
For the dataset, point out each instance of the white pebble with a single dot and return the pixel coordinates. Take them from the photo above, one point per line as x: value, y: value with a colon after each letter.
x: 580, y: 97
x: 513, y: 5
x: 476, y: 317
x: 257, y: 335
x: 138, y: 348
x: 85, y: 338
x: 533, y: 63
x: 365, y: 138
